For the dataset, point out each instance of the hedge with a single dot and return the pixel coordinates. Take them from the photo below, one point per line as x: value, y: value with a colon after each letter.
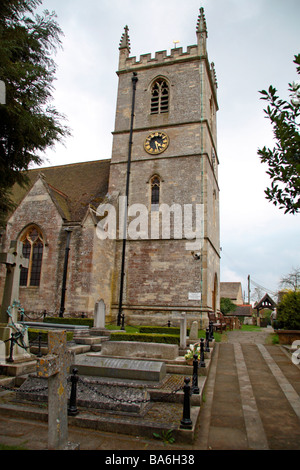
x: 145, y: 338
x: 159, y: 329
x: 70, y: 321
x: 172, y: 330
x: 33, y: 335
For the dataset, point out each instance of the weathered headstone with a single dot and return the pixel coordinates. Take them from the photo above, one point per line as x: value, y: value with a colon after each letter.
x: 183, y: 331
x: 99, y: 314
x: 14, y: 261
x: 194, y: 331
x: 55, y: 366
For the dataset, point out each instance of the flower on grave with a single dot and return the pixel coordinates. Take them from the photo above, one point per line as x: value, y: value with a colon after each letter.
x: 194, y: 349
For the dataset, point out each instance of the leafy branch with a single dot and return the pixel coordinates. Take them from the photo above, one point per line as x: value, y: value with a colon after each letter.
x: 284, y: 159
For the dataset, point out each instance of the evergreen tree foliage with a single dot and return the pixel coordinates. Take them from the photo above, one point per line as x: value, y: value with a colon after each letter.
x: 28, y: 122
x: 288, y: 311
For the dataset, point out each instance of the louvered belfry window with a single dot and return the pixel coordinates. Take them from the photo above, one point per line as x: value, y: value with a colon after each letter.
x: 160, y: 97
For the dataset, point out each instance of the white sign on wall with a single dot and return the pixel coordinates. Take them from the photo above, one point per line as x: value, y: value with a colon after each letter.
x: 194, y: 295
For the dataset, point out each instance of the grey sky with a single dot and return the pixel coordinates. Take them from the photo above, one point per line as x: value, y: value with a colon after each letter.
x: 253, y: 44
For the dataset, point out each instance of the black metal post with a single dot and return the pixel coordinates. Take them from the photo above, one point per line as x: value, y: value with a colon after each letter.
x: 195, y: 388
x: 211, y: 331
x: 39, y: 354
x: 207, y: 349
x: 202, y: 361
x: 134, y: 82
x: 72, y: 409
x: 64, y: 282
x: 11, y: 349
x: 186, y: 422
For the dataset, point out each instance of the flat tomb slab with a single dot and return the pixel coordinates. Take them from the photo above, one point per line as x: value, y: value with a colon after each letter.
x: 139, y: 349
x: 120, y: 368
x: 54, y: 326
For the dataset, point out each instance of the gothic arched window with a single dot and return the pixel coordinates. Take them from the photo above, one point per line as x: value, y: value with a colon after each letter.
x: 155, y: 190
x: 160, y: 97
x: 33, y: 246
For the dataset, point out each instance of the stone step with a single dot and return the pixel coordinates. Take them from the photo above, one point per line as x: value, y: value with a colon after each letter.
x: 99, y: 332
x: 96, y: 347
x: 90, y: 340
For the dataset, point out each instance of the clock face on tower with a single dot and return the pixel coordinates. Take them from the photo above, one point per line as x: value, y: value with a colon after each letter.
x: 157, y: 142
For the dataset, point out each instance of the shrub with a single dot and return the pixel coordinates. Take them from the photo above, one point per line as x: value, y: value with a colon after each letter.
x: 34, y: 333
x: 145, y: 338
x: 288, y: 311
x: 70, y: 321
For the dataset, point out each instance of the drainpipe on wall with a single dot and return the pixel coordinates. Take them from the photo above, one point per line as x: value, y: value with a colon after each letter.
x: 120, y: 316
x: 64, y: 282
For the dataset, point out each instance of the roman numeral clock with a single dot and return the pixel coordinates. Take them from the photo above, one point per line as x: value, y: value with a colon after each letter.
x: 156, y: 142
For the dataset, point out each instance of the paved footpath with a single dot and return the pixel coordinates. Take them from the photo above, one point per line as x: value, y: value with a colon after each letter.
x: 252, y: 397
x: 252, y: 402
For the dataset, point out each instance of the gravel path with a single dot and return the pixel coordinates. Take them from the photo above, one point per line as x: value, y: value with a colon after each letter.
x: 249, y: 337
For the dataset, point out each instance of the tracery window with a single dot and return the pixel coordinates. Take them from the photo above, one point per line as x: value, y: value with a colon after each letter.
x: 33, y: 246
x: 155, y: 190
x: 160, y: 97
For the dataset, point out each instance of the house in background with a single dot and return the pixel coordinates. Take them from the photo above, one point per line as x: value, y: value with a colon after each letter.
x: 233, y: 291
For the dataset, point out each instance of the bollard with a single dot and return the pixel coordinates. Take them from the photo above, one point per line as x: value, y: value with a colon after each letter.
x: 12, y: 342
x: 202, y: 361
x: 186, y: 422
x: 195, y: 388
x: 207, y: 340
x: 72, y: 409
x: 211, y: 331
x: 39, y: 354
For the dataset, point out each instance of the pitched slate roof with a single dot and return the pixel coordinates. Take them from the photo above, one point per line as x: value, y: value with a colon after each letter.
x: 72, y: 187
x: 230, y: 290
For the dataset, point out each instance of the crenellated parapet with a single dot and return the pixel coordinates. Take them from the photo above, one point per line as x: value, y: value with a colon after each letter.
x: 160, y: 58
x: 163, y: 58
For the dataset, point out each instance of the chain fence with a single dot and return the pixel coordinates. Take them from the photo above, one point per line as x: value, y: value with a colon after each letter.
x: 91, y: 388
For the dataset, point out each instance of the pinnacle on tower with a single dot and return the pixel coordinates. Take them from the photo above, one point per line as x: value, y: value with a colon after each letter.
x: 125, y: 40
x: 201, y: 24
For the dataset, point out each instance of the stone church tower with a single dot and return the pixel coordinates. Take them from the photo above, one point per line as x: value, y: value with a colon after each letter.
x: 166, y: 125
x: 164, y: 158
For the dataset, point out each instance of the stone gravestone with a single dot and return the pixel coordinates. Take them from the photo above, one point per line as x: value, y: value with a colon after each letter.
x: 99, y: 314
x: 55, y: 366
x: 194, y: 331
x: 183, y: 331
x: 14, y: 261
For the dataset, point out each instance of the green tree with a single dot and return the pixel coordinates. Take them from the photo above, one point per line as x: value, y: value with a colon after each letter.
x: 226, y: 306
x: 284, y: 159
x: 288, y: 310
x: 28, y: 122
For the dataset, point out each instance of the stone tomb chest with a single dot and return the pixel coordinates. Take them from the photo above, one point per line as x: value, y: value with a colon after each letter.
x: 119, y: 368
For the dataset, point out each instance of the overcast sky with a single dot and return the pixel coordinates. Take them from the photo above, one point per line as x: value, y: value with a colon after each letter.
x: 253, y: 44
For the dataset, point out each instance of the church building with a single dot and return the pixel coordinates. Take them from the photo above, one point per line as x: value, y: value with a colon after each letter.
x: 140, y: 230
